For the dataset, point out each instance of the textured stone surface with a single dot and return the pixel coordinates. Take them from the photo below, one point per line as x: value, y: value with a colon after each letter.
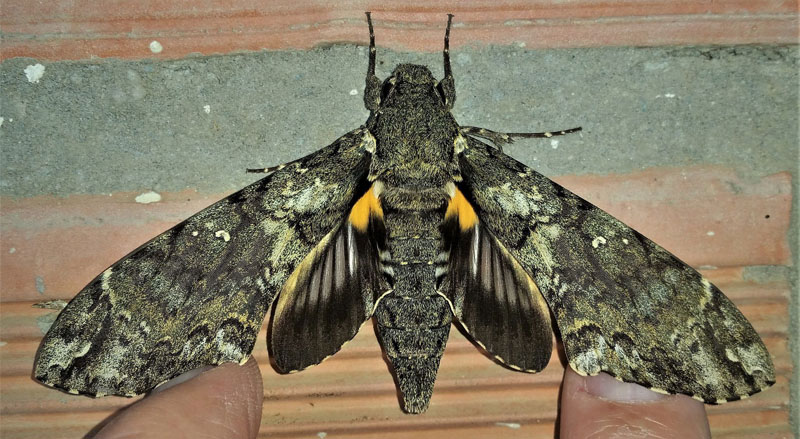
x: 117, y: 126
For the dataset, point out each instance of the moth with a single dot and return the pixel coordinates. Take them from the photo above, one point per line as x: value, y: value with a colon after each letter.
x: 418, y: 222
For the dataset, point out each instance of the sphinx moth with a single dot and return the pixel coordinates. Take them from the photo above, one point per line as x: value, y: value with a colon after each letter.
x: 414, y: 220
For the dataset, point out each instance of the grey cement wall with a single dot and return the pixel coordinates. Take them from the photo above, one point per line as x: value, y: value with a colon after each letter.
x: 108, y: 125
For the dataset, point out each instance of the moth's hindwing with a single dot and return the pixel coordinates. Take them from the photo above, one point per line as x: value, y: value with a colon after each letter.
x: 623, y: 304
x: 197, y: 294
x: 494, y: 299
x: 333, y: 291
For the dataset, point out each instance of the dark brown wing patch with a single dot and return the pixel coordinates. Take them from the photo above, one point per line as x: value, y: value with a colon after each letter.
x: 332, y: 292
x: 493, y: 298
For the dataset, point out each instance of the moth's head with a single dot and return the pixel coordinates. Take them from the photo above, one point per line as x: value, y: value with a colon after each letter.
x: 409, y: 80
x: 411, y: 74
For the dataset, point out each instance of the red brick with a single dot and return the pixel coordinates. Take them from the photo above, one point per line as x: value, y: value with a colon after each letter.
x: 89, y: 28
x: 675, y: 207
x: 353, y: 395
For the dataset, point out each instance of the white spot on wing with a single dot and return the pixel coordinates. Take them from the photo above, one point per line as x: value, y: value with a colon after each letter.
x: 588, y: 362
x: 597, y: 242
x: 229, y: 350
x: 661, y: 391
x: 459, y: 144
x: 223, y: 234
x: 83, y: 350
x: 751, y: 357
x: 104, y: 281
x: 707, y: 290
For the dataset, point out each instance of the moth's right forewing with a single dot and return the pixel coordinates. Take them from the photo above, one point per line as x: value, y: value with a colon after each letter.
x: 623, y: 304
x: 197, y: 294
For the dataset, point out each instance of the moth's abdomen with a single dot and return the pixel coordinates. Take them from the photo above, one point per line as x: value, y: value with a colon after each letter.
x: 413, y: 320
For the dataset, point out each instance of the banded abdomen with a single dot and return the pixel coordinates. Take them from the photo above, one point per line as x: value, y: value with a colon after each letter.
x: 413, y: 321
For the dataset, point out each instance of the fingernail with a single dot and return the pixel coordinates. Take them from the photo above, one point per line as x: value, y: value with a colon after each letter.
x: 607, y: 387
x: 186, y: 376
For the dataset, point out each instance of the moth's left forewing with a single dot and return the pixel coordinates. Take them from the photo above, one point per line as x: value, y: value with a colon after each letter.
x: 197, y: 294
x: 623, y: 304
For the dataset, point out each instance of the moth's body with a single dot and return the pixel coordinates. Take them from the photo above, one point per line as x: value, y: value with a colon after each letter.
x: 413, y: 170
x: 413, y: 220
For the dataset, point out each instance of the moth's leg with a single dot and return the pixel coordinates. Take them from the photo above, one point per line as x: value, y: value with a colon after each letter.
x: 499, y: 139
x: 267, y: 170
x: 367, y: 142
x: 372, y: 91
x: 272, y: 168
x: 447, y: 86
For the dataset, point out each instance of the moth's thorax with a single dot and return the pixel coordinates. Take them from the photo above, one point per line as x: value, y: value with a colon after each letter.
x: 414, y: 135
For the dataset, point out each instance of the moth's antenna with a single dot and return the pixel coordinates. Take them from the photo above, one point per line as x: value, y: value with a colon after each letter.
x: 371, y: 68
x: 372, y: 91
x: 447, y: 86
x: 448, y: 72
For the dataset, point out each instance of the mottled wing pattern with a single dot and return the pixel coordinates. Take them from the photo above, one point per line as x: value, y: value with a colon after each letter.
x: 494, y: 299
x: 623, y: 304
x: 332, y: 292
x: 197, y: 294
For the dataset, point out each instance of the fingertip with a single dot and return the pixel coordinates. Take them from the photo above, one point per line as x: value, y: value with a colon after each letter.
x: 223, y: 402
x: 603, y: 407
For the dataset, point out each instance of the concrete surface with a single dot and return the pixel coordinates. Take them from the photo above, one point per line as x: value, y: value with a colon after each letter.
x: 134, y: 125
